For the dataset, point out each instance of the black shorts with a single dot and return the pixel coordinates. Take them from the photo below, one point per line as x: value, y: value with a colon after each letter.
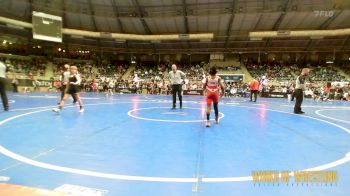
x: 73, y: 89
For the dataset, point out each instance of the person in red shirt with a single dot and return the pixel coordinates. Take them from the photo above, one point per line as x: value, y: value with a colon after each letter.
x: 94, y: 86
x: 211, y: 91
x: 254, y: 88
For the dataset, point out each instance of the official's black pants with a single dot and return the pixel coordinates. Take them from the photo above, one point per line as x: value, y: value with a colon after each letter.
x: 299, y: 96
x: 177, y: 88
x: 255, y: 93
x: 4, y: 99
x: 15, y: 88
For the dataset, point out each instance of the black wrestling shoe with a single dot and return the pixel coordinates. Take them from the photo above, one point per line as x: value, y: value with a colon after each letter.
x: 216, y: 120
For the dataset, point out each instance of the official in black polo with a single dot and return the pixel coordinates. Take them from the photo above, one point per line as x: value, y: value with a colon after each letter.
x: 176, y: 78
x: 299, y: 90
x: 4, y: 99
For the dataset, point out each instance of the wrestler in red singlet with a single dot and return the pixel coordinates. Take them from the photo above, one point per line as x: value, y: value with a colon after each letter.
x: 211, y: 87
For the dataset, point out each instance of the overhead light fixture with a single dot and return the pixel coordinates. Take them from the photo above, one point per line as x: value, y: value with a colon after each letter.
x: 14, y: 26
x: 46, y: 22
x: 77, y: 36
x: 75, y: 33
x: 255, y: 39
x: 316, y: 37
x: 120, y: 40
x: 283, y: 33
x: 184, y: 36
x: 329, y: 62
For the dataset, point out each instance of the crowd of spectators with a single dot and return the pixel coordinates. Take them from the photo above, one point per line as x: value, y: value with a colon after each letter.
x: 281, y: 73
x: 84, y: 67
x: 274, y: 71
x: 324, y: 73
x: 151, y: 78
x: 33, y: 66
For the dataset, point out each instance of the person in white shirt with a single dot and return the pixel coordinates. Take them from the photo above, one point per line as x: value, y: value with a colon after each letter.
x: 263, y: 88
x: 136, y: 81
x: 194, y: 87
x: 3, y: 70
x: 111, y: 85
x: 15, y: 84
x: 176, y: 78
x: 64, y: 78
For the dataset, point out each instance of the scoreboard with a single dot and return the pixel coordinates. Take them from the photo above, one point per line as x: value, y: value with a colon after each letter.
x: 47, y: 27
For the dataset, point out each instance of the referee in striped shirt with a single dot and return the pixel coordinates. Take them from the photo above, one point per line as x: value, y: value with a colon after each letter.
x: 176, y: 78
